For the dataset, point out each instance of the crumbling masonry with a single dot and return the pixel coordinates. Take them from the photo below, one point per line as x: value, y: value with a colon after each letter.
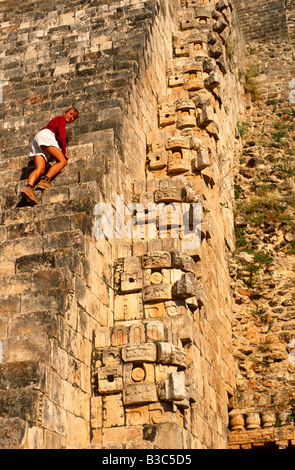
x: 109, y: 340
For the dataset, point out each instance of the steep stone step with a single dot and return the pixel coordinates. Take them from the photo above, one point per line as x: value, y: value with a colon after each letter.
x: 17, y: 375
x: 21, y: 403
x: 12, y: 433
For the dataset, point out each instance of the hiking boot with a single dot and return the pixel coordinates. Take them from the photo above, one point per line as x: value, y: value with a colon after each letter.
x: 43, y: 184
x: 28, y: 194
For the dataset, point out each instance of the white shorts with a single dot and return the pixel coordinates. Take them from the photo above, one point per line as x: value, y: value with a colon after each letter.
x: 45, y: 137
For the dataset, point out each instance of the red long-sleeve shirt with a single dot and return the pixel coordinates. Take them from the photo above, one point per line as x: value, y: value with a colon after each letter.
x: 58, y: 126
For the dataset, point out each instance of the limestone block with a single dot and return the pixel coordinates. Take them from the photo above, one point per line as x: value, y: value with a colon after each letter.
x: 189, y: 195
x: 171, y: 244
x: 155, y: 310
x: 136, y: 415
x: 177, y: 164
x: 178, y: 142
x: 157, y: 160
x: 155, y: 331
x: 180, y: 47
x: 144, y: 352
x: 140, y: 393
x: 156, y: 278
x: 102, y: 338
x: 174, y: 308
x: 191, y: 388
x: 80, y: 151
x: 173, y: 388
x: 145, y: 198
x: 185, y: 114
x: 157, y: 292
x: 213, y: 130
x: 192, y: 303
x: 157, y: 259
x: 215, y: 50
x: 110, y: 385
x: 252, y: 421
x: 193, y: 75
x: 185, y: 287
x: 198, y: 48
x: 109, y: 373
x: 170, y: 354
x: 131, y: 281
x: 117, y: 437
x: 146, y: 277
x: 186, y: 119
x: 137, y: 333
x: 201, y: 161
x: 166, y: 276
x: 195, y: 143
x: 140, y: 372
x: 96, y: 412
x: 152, y: 184
x: 184, y: 104
x: 200, y: 295
x: 166, y: 114
x: 221, y: 62
x: 128, y: 306
x: 183, y: 262
x: 113, y: 411
x: 194, y: 81
x: 35, y: 438
x: 168, y: 195
x: 189, y: 24
x: 206, y: 116
x: 268, y: 419
x: 183, y: 327
x: 155, y: 244
x: 111, y: 357
x: 119, y: 335
x: 222, y: 4
x: 170, y: 183
x: 25, y: 347
x: 170, y: 220
x: 220, y: 25
x: 212, y: 81
x: 197, y: 36
x: 175, y: 80
x: 236, y: 421
x: 161, y: 413
x: 139, y: 247
x: 139, y: 186
x: 131, y: 263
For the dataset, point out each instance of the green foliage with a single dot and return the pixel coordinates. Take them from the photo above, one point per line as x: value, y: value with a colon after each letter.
x: 242, y: 128
x: 291, y: 248
x: 286, y: 169
x: 238, y: 191
x: 253, y: 268
x: 264, y: 209
x: 263, y: 258
x: 240, y: 237
x: 251, y: 86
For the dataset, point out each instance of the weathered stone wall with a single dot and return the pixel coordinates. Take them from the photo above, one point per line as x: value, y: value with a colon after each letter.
x: 133, y: 333
x: 263, y: 18
x: 107, y: 59
x: 290, y: 6
x: 262, y: 414
x: 163, y: 374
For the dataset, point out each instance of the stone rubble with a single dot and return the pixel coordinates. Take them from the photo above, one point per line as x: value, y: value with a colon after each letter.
x: 262, y: 269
